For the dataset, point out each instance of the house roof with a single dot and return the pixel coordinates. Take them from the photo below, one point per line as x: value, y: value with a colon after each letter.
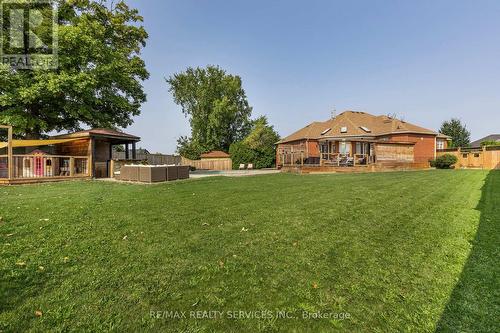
x: 215, y: 154
x: 358, y: 124
x: 491, y: 137
x: 101, y: 132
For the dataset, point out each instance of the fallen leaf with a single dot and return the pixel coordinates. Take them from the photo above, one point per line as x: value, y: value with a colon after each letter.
x: 38, y: 313
x: 21, y: 263
x: 221, y: 263
x: 125, y: 237
x: 244, y: 229
x: 315, y: 285
x: 41, y: 268
x: 66, y: 259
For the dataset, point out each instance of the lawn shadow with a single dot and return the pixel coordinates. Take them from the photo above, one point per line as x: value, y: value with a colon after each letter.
x: 474, y: 303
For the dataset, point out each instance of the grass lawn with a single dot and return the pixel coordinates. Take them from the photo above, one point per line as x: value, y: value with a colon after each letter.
x: 404, y: 251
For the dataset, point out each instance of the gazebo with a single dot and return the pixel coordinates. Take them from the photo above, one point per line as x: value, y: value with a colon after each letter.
x: 83, y: 154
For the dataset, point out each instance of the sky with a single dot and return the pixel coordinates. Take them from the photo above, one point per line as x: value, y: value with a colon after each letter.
x: 425, y: 61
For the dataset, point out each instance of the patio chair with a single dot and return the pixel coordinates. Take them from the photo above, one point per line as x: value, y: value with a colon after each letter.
x: 249, y: 166
x: 335, y: 161
x: 242, y: 167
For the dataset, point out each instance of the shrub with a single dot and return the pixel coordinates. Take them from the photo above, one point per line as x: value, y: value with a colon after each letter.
x: 242, y: 154
x: 444, y: 161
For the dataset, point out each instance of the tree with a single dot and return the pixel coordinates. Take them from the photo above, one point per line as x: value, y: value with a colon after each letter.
x: 258, y: 147
x: 217, y: 107
x: 98, y: 79
x: 460, y: 136
x: 189, y: 148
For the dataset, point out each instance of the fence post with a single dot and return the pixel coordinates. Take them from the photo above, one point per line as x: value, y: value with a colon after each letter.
x: 10, y: 161
x: 484, y: 157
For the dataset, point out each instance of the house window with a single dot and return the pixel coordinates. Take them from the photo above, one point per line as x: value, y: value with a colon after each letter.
x: 343, y: 129
x: 476, y: 155
x: 440, y: 144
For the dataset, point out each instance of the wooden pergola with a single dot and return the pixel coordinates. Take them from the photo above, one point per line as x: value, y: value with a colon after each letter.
x: 84, y: 154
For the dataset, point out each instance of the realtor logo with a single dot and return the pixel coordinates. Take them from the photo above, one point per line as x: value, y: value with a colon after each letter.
x: 28, y: 34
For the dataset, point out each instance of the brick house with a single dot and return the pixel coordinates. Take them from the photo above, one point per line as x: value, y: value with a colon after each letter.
x: 359, y: 138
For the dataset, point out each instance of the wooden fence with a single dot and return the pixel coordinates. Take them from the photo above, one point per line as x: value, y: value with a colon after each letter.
x: 209, y: 164
x: 475, y: 158
x: 152, y: 159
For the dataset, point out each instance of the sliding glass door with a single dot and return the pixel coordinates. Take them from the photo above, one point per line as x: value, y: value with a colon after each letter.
x: 345, y: 147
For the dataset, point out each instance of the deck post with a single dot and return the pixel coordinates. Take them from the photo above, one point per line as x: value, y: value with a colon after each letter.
x: 134, y: 151
x: 91, y: 158
x: 10, y: 168
x: 111, y: 169
x: 126, y: 151
x: 71, y: 166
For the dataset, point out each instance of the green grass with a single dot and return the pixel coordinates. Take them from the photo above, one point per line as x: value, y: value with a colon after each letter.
x: 410, y: 251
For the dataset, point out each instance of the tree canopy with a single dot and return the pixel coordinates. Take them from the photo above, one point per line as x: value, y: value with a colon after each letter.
x: 217, y: 108
x: 458, y: 132
x: 98, y: 81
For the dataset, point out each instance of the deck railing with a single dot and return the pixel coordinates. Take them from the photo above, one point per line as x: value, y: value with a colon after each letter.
x: 47, y: 166
x: 338, y: 159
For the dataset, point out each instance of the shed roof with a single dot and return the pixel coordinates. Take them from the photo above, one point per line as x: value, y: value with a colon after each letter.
x: 215, y: 154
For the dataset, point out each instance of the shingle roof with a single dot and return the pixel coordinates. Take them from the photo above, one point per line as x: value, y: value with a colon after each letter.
x: 215, y: 154
x: 491, y: 137
x: 99, y: 132
x: 355, y: 123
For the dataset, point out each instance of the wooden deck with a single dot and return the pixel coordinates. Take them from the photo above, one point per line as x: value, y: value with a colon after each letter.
x: 19, y: 181
x: 376, y: 167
